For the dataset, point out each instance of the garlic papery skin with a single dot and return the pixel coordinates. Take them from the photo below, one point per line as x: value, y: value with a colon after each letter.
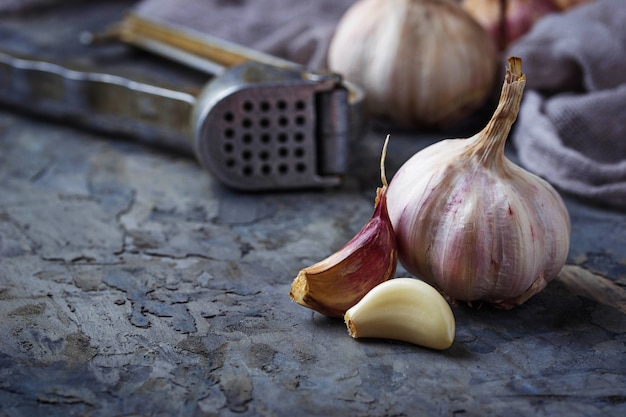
x: 422, y: 63
x: 471, y: 222
x: 404, y: 309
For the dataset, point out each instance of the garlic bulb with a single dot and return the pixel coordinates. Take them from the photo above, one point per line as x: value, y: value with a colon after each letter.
x: 471, y: 222
x: 421, y: 63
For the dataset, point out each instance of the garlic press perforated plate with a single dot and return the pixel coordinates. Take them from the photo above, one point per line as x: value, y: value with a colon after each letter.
x: 260, y: 123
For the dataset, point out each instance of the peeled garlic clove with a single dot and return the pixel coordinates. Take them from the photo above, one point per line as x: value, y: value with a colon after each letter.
x: 471, y: 222
x: 338, y: 282
x: 421, y: 63
x: 404, y: 309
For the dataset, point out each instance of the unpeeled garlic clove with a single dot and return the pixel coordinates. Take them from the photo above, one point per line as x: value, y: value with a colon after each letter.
x: 404, y: 309
x: 338, y: 282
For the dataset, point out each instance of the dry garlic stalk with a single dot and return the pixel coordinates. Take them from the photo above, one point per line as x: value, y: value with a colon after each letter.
x: 471, y: 222
x: 338, y: 282
x: 403, y: 309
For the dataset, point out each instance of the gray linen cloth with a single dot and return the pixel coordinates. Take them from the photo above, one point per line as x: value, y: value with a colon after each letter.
x: 572, y: 123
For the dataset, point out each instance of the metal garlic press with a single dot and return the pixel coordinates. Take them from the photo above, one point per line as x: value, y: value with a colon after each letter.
x: 260, y: 123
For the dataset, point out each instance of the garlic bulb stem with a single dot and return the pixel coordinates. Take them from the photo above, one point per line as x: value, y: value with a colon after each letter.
x: 489, y: 144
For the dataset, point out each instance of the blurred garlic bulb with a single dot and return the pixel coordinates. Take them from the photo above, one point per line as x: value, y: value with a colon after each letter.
x: 507, y: 20
x: 423, y: 63
x: 472, y: 223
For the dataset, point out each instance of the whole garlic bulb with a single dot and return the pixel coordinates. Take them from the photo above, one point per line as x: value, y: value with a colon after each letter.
x: 421, y: 63
x: 472, y: 223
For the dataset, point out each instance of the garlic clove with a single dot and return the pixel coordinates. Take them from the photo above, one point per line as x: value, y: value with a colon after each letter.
x: 472, y: 223
x: 338, y: 282
x: 404, y: 309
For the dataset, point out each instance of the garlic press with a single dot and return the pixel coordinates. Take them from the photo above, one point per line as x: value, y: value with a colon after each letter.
x: 259, y: 123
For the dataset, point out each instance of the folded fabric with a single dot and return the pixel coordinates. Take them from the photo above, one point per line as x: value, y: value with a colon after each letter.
x: 572, y: 123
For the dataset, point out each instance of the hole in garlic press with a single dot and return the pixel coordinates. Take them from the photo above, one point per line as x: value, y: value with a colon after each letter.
x: 229, y: 117
x: 300, y: 105
x: 281, y: 105
x: 247, y: 171
x: 248, y: 106
x: 283, y: 121
x: 265, y: 106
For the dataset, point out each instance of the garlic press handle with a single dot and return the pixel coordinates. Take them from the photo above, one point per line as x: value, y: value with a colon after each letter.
x: 155, y: 114
x: 189, y: 47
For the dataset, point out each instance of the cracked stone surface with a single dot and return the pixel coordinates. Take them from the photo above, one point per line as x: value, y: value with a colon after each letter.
x: 132, y: 284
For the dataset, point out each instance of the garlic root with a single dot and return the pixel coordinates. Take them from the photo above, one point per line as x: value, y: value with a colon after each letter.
x: 404, y: 309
